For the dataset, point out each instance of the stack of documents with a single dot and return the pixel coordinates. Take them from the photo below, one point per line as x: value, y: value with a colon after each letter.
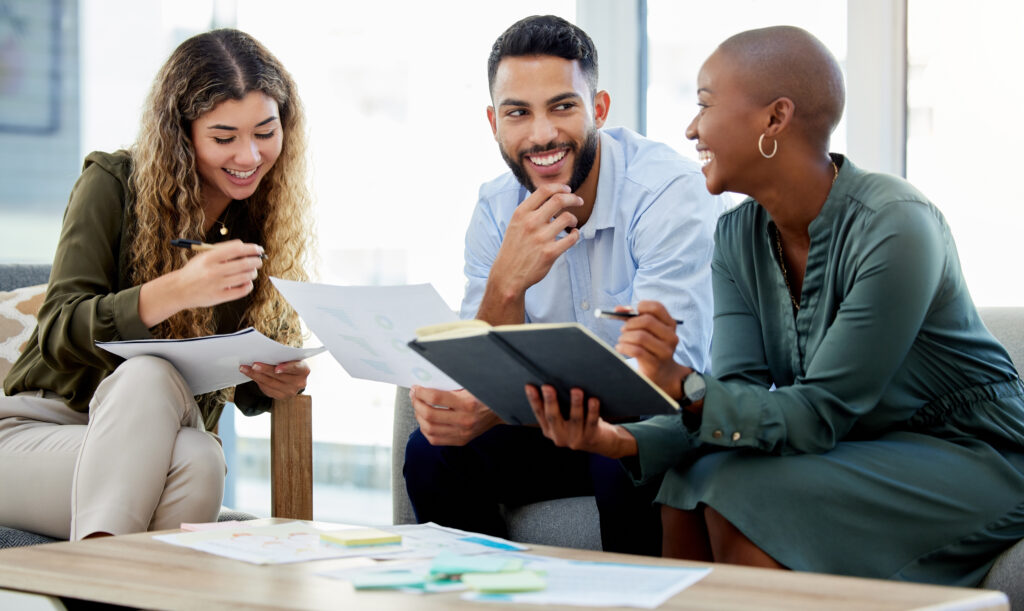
x: 211, y: 363
x: 301, y: 541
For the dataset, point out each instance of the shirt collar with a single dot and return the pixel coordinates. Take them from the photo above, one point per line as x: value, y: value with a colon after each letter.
x: 831, y: 207
x: 608, y: 186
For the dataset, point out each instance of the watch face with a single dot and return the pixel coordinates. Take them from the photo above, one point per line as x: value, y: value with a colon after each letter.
x: 694, y: 387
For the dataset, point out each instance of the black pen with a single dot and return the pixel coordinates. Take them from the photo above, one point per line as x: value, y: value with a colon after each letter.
x: 198, y: 246
x: 612, y: 314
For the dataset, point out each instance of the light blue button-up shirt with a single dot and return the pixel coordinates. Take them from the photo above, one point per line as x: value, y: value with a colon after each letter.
x: 650, y: 236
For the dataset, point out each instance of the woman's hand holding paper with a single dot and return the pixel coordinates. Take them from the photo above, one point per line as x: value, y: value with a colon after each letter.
x: 279, y: 381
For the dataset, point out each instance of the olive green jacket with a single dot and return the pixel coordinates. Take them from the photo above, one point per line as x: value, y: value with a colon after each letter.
x: 91, y: 298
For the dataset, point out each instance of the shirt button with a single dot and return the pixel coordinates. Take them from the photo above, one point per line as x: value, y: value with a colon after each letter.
x: 736, y: 436
x: 585, y: 305
x: 717, y: 434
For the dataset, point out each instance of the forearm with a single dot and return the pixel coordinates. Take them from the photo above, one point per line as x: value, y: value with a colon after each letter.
x: 161, y: 298
x: 620, y: 445
x: 501, y: 304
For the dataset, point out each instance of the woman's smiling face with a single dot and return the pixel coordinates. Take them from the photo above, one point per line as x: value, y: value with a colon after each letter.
x: 726, y: 128
x: 236, y: 145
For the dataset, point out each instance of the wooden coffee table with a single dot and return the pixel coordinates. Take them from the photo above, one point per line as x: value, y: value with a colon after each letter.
x: 137, y: 571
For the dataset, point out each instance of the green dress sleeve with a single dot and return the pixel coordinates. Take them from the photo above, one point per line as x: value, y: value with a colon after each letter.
x: 84, y: 302
x: 893, y: 265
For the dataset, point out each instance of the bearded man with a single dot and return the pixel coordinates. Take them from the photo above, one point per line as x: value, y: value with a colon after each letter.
x: 588, y: 218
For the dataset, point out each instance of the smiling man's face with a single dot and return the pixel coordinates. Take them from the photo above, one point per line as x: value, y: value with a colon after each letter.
x: 544, y: 121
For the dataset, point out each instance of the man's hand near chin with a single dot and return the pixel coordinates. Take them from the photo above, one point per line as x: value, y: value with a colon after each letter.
x: 451, y: 418
x: 528, y: 250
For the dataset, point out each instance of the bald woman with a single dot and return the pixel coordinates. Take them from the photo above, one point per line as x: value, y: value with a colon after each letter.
x: 859, y: 419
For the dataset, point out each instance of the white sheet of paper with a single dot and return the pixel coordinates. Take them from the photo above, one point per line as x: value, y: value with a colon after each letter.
x: 367, y: 328
x: 274, y: 544
x: 210, y: 363
x: 299, y: 541
x: 600, y: 584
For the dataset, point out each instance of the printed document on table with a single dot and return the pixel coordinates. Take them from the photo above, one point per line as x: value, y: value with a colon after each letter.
x: 300, y: 541
x: 274, y: 544
x: 367, y: 328
x: 210, y: 363
x: 599, y: 584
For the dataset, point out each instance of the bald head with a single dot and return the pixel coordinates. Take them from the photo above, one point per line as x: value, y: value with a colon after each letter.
x: 785, y: 61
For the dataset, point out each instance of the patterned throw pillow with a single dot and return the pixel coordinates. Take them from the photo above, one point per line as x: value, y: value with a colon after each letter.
x: 18, y: 310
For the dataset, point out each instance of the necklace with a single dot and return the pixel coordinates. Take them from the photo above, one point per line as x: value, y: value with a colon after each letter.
x: 785, y: 275
x: 223, y: 227
x: 782, y: 261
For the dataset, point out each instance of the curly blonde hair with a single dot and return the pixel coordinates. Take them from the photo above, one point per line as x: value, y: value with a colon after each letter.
x: 202, y: 72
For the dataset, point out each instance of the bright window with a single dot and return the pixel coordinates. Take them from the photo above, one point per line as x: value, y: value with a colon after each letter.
x: 964, y: 95
x: 681, y: 35
x: 395, y: 92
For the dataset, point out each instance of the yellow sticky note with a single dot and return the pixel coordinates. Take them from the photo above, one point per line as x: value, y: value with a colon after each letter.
x: 353, y: 537
x: 495, y: 583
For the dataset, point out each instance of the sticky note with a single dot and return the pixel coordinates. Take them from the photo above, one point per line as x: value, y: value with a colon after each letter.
x: 517, y: 581
x: 353, y: 537
x: 385, y: 580
x: 448, y: 563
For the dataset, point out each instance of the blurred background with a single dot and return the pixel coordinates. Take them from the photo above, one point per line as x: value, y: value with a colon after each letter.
x: 396, y: 92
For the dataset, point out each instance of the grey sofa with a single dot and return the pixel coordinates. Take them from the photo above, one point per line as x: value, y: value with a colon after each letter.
x: 14, y: 275
x: 11, y: 277
x: 573, y: 522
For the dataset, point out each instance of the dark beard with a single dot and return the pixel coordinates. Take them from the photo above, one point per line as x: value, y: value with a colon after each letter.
x: 580, y: 169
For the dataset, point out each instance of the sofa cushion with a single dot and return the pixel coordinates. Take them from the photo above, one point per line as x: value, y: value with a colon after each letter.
x: 18, y: 310
x: 569, y: 522
x: 12, y: 537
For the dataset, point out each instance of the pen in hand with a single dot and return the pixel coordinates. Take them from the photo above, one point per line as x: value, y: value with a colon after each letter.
x: 613, y: 315
x: 198, y: 246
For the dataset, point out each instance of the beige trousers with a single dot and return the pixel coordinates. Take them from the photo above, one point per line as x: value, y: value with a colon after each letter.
x: 139, y: 460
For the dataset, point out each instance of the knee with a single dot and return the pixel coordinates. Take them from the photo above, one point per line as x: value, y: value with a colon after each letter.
x: 147, y: 369
x: 421, y: 459
x: 428, y: 467
x: 146, y: 376
x: 143, y: 381
x: 198, y: 461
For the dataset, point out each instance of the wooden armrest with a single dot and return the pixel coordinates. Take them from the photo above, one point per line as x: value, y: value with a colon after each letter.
x: 291, y: 458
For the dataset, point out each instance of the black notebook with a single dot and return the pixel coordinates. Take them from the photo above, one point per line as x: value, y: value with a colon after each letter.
x: 496, y: 363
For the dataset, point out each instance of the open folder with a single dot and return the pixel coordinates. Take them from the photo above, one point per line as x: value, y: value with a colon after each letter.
x: 496, y: 363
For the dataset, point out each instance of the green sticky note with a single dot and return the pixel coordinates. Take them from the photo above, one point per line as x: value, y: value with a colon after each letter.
x: 388, y: 579
x: 497, y: 583
x: 448, y: 563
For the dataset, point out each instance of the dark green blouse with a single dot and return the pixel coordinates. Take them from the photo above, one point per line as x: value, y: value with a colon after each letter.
x: 879, y: 430
x: 885, y: 333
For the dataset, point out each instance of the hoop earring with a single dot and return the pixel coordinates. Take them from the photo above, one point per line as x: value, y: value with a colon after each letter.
x: 760, y: 148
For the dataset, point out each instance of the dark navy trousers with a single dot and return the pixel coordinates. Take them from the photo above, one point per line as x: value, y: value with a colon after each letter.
x: 462, y: 486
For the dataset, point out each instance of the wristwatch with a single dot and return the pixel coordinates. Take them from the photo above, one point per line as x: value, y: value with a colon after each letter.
x: 693, y: 389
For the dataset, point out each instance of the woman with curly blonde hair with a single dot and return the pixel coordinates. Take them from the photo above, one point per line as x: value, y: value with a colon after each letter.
x: 98, y: 445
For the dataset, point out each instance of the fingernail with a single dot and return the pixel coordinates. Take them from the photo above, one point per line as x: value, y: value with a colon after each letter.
x: 257, y: 367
